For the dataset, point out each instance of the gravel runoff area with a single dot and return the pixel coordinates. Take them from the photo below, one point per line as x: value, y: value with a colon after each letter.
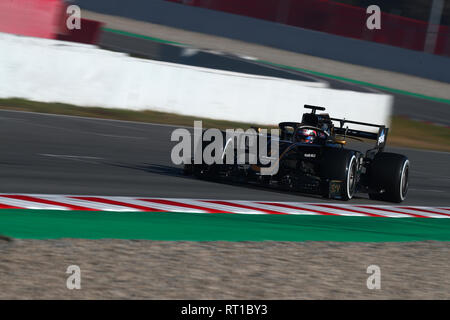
x: 134, y: 269
x: 376, y: 76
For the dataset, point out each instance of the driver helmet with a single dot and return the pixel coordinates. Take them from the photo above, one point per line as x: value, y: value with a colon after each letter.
x: 306, y: 135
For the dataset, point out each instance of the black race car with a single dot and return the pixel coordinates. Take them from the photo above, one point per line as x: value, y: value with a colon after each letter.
x: 312, y: 158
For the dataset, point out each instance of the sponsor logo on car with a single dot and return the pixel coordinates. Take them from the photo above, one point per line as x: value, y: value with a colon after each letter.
x: 381, y: 138
x: 309, y: 155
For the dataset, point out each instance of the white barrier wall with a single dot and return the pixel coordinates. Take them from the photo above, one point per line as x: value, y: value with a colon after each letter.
x: 83, y: 75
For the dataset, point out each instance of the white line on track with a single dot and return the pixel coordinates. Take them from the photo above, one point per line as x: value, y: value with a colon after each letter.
x: 68, y: 156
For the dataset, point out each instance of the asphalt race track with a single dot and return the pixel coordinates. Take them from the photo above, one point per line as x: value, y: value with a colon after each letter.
x: 54, y: 154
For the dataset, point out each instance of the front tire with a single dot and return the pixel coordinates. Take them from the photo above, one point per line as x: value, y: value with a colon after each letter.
x: 341, y: 165
x: 351, y: 177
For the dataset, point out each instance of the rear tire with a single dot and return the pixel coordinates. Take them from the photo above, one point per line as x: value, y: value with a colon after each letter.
x: 389, y: 175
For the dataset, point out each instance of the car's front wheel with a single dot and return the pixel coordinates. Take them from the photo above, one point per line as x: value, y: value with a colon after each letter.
x: 350, y: 181
x: 341, y: 165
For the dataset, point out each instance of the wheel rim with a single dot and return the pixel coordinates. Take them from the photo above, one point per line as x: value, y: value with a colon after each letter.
x: 404, y: 181
x: 351, y: 178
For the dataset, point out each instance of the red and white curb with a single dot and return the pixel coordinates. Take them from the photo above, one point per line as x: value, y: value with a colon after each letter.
x: 142, y: 204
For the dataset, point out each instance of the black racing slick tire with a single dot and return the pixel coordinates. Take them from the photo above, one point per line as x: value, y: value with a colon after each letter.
x: 342, y: 165
x: 389, y: 177
x: 351, y: 172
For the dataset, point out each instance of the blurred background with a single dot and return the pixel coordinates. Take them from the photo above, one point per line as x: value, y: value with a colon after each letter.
x: 297, y: 52
x: 405, y: 23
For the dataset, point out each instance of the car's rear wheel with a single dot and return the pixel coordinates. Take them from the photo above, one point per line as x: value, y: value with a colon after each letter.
x: 389, y: 176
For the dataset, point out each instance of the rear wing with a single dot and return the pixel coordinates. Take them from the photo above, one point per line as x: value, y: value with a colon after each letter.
x: 380, y: 137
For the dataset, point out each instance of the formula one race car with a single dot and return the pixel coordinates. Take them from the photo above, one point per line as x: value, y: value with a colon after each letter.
x: 312, y: 158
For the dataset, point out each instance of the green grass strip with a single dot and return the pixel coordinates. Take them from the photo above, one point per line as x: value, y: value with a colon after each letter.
x: 51, y: 224
x: 368, y: 84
